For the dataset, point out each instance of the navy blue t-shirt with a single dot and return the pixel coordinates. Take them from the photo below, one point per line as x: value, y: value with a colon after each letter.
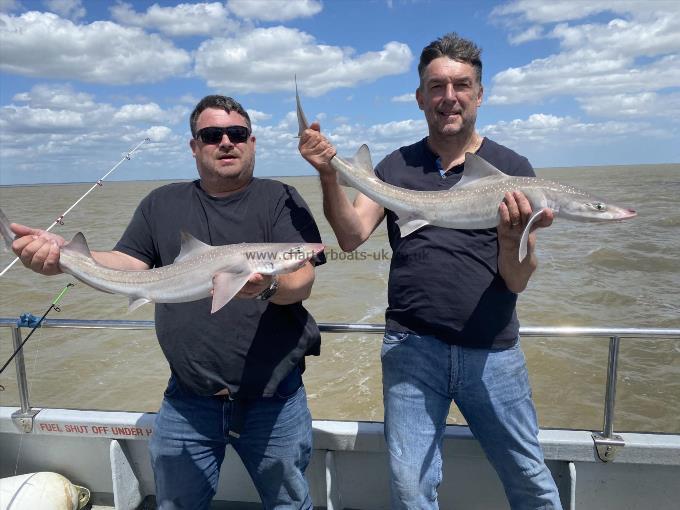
x: 248, y: 346
x: 445, y: 282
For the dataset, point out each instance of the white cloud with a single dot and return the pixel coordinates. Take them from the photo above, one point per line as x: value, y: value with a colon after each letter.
x: 180, y: 20
x: 158, y: 133
x: 532, y: 33
x: 256, y: 116
x: 71, y: 9
x: 552, y: 129
x: 24, y: 119
x: 138, y: 113
x: 581, y: 74
x: 274, y: 10
x: 44, y: 45
x: 540, y: 11
x: 404, y: 98
x: 635, y: 38
x: 642, y: 105
x: 245, y: 63
x: 72, y: 123
x: 56, y: 97
x: 638, y: 54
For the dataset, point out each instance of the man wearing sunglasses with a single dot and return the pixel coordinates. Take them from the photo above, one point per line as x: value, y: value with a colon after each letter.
x: 236, y: 374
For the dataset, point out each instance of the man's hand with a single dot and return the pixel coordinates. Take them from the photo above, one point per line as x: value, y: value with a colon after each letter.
x: 515, y: 212
x: 318, y: 151
x: 255, y: 285
x: 37, y: 249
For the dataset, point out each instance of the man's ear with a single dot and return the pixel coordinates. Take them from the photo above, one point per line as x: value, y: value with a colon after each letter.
x: 419, y: 99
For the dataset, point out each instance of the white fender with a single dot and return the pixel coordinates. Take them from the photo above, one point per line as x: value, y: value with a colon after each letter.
x: 41, y: 491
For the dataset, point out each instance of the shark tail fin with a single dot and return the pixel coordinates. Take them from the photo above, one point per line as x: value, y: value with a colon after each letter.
x: 7, y: 234
x: 523, y: 249
x: 302, y: 119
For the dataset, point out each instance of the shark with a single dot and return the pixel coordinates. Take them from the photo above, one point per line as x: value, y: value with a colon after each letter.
x: 199, y: 270
x: 473, y: 202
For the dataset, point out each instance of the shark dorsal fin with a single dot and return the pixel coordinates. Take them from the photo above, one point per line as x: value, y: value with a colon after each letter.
x: 477, y: 167
x: 362, y: 159
x: 78, y: 245
x: 190, y: 246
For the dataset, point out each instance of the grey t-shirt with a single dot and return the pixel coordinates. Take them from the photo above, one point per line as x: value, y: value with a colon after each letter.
x: 248, y: 346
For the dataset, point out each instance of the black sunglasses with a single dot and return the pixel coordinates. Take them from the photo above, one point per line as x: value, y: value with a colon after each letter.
x: 213, y: 135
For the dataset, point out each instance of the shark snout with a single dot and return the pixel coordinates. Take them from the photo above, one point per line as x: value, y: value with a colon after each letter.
x: 628, y: 213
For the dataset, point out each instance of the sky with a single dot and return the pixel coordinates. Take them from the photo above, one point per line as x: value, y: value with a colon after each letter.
x: 566, y: 83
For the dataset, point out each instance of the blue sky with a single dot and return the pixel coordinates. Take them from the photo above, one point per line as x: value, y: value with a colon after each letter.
x: 567, y: 83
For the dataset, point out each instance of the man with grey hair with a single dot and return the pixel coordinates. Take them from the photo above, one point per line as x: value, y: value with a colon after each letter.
x: 236, y: 374
x: 451, y: 326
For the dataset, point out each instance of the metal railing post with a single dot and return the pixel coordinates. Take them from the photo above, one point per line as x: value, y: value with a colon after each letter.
x: 610, y: 391
x: 20, y: 367
x: 23, y: 418
x: 608, y: 443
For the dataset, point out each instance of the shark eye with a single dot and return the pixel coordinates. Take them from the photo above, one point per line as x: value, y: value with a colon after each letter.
x: 598, y: 206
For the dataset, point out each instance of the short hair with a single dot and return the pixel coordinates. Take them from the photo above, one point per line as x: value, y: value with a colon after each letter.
x: 225, y: 103
x: 456, y: 48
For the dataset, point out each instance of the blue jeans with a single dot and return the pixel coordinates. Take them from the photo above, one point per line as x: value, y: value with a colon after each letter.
x: 421, y: 376
x: 275, y: 444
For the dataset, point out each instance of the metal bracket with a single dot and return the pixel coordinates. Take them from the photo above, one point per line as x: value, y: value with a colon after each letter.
x: 607, y: 447
x: 23, y: 421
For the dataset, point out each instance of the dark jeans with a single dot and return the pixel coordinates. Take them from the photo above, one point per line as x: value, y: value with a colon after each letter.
x: 275, y: 444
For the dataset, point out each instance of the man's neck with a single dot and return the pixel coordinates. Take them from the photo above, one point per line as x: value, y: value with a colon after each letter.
x: 222, y: 189
x: 451, y: 149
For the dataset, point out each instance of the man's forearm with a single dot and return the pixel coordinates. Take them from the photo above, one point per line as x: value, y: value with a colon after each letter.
x: 294, y: 287
x: 516, y: 274
x: 340, y: 213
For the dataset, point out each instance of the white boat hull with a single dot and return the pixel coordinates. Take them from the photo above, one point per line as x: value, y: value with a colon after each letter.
x: 348, y: 467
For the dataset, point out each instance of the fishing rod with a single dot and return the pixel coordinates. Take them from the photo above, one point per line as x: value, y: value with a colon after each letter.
x: 100, y: 181
x: 53, y: 306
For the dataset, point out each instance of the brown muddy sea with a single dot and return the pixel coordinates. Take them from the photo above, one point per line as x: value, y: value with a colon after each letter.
x: 623, y: 274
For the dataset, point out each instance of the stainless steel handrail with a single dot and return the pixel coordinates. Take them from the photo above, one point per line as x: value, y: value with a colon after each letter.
x: 338, y: 327
x: 614, y: 335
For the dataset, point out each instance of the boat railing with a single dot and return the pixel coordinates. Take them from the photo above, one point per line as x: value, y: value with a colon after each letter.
x: 606, y: 442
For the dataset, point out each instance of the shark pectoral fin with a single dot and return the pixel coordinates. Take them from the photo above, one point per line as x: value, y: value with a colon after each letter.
x: 136, y: 303
x: 226, y: 286
x: 525, y: 235
x: 408, y: 226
